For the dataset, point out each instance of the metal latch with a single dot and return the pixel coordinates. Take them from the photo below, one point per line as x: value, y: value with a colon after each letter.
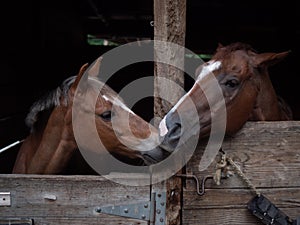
x: 153, y: 211
x: 5, y: 199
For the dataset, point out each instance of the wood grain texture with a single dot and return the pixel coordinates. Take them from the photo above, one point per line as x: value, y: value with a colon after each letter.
x: 268, y: 153
x: 169, y: 26
x: 77, y: 197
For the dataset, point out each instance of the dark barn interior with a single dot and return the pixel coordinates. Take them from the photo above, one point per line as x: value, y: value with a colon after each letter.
x: 44, y: 42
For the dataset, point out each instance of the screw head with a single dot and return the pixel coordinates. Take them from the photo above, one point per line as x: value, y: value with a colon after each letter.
x: 98, y: 210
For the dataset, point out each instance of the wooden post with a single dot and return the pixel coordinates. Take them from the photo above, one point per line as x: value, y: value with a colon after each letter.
x: 169, y: 26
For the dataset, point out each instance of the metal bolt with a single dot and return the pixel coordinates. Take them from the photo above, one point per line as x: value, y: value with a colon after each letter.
x: 143, y: 217
x: 172, y: 193
x: 146, y: 206
x: 50, y: 197
x: 161, y: 220
x: 98, y: 210
x: 158, y: 211
x: 162, y: 203
x: 125, y: 210
x: 159, y: 195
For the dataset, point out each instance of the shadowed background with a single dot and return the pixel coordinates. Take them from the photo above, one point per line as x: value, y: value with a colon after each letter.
x: 44, y: 42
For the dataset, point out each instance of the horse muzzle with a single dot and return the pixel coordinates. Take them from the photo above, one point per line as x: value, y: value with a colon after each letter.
x: 170, y: 131
x: 154, y: 156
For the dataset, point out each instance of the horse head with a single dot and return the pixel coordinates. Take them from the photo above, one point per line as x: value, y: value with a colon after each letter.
x: 122, y: 133
x: 86, y: 105
x: 247, y: 93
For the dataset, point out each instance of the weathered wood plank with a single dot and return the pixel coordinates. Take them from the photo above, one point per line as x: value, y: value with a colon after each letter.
x: 226, y: 217
x: 47, y: 220
x: 238, y: 198
x: 169, y: 26
x: 58, y: 199
x: 268, y: 154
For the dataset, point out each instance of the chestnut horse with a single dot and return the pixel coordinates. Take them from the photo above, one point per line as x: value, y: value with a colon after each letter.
x: 246, y: 89
x: 51, y: 143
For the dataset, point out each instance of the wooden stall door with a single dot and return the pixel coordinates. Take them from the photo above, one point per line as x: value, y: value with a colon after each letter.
x: 268, y: 154
x: 63, y: 200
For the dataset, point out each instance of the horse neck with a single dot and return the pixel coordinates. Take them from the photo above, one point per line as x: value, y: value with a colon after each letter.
x: 266, y: 107
x: 57, y: 143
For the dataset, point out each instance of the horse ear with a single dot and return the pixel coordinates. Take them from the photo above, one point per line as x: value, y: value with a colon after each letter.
x: 93, y: 72
x: 269, y: 59
x: 78, y: 78
x: 80, y: 74
x: 220, y: 45
x: 95, y: 69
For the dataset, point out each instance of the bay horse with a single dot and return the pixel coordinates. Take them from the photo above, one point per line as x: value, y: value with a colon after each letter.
x: 51, y: 145
x: 248, y: 94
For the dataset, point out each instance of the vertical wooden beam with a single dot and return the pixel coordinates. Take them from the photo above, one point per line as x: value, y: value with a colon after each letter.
x: 169, y: 26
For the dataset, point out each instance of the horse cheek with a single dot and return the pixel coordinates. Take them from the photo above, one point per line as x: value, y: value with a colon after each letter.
x: 238, y: 110
x: 139, y: 128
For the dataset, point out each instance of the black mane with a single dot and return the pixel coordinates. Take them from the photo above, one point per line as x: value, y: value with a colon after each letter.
x: 49, y: 101
x: 44, y: 106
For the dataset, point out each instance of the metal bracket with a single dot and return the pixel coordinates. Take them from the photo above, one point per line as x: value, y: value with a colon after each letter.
x: 136, y: 211
x: 153, y: 211
x: 191, y: 176
x: 160, y: 208
x: 5, y: 199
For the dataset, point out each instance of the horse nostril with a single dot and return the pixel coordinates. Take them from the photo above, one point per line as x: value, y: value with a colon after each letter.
x: 170, y: 141
x: 172, y: 119
x: 170, y: 131
x: 175, y: 131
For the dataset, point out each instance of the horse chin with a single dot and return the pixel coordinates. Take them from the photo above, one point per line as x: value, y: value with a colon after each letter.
x: 205, y: 132
x: 154, y: 156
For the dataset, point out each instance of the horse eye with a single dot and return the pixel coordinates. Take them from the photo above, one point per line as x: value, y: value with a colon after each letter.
x: 106, y: 115
x: 232, y: 83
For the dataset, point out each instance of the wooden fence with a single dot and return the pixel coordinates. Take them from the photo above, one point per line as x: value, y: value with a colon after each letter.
x: 266, y: 152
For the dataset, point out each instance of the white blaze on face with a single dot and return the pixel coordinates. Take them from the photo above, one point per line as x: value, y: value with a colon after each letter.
x: 209, y: 68
x: 130, y: 140
x: 118, y: 102
x: 163, y: 130
x: 106, y: 98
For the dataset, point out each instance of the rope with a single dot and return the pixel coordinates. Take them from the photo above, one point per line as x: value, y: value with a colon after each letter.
x: 242, y: 175
x: 223, y: 166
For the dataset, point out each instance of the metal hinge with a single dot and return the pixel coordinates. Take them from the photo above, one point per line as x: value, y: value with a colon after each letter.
x: 153, y: 211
